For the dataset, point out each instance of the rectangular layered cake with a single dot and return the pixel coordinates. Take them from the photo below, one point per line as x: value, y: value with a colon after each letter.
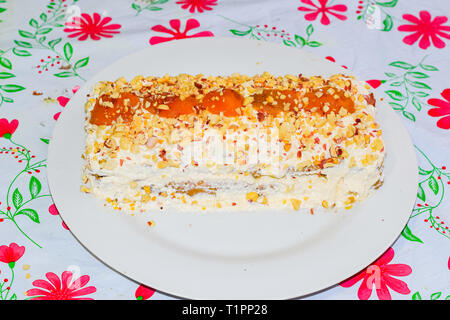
x: 240, y: 142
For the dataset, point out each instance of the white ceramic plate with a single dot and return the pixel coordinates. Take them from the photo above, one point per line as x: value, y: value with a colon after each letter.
x: 268, y: 255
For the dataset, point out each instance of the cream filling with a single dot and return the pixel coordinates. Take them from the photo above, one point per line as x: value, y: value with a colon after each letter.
x: 339, y: 186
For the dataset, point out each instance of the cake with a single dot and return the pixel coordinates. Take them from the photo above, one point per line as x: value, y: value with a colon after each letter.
x: 239, y: 142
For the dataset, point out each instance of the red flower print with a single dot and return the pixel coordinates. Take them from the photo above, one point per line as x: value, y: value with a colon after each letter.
x: 64, y: 289
x: 144, y: 292
x: 374, y: 83
x: 425, y: 28
x: 94, y: 27
x: 8, y: 128
x: 62, y: 100
x: 176, y: 33
x: 54, y: 212
x: 322, y: 9
x: 330, y: 58
x: 10, y: 254
x: 442, y: 109
x: 199, y: 5
x: 379, y: 274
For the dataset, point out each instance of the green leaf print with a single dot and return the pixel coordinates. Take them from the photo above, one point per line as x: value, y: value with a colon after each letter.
x: 68, y: 51
x: 432, y: 183
x: 435, y: 295
x: 388, y: 4
x: 81, y: 63
x: 428, y: 67
x: 396, y: 95
x: 35, y: 187
x: 421, y: 193
x: 30, y: 213
x: 53, y: 43
x: 6, y: 75
x: 6, y: 63
x: 416, y: 296
x: 401, y: 65
x: 150, y: 6
x: 240, y: 33
x: 11, y: 88
x: 64, y: 74
x: 17, y: 198
x: 408, y: 235
x: 387, y: 23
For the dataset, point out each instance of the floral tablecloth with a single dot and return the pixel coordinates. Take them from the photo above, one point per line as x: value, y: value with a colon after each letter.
x: 49, y: 48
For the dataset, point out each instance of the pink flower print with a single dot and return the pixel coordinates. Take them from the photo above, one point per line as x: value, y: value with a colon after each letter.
x: 61, y: 289
x: 62, y: 100
x: 424, y: 28
x: 442, y: 109
x: 199, y: 5
x: 379, y: 274
x: 176, y: 34
x: 94, y: 27
x: 322, y: 9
